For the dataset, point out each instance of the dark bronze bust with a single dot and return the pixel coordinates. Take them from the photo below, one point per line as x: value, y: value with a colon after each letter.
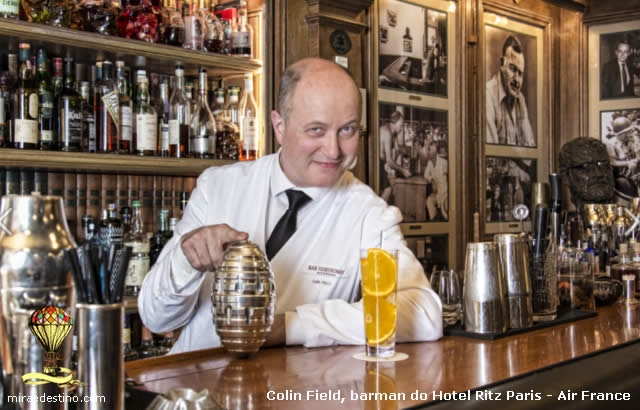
x: 585, y: 167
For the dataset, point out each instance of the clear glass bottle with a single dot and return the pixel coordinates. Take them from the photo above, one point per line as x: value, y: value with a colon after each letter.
x: 161, y: 237
x: 110, y: 230
x: 139, y: 262
x: 625, y: 264
x: 69, y: 112
x: 10, y: 9
x: 88, y: 119
x: 173, y: 31
x: 545, y: 299
x: 127, y: 350
x: 194, y: 27
x: 125, y: 216
x: 47, y: 134
x: 214, y: 38
x: 163, y: 109
x: 26, y: 111
x: 100, y: 16
x: 202, y: 134
x: 125, y: 111
x: 107, y: 110
x: 146, y: 121
x: 242, y: 35
x: 179, y: 117
x: 249, y: 128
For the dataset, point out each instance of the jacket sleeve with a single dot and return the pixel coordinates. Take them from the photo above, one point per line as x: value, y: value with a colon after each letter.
x: 169, y: 293
x: 419, y: 314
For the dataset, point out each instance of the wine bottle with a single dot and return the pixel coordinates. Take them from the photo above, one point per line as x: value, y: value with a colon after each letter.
x: 179, y: 117
x: 27, y: 106
x: 146, y: 121
x: 46, y: 122
x: 69, y: 112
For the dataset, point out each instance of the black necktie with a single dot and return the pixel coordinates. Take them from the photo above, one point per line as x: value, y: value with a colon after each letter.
x: 286, y: 226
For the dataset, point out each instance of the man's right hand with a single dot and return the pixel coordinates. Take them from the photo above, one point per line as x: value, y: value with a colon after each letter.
x: 204, y: 247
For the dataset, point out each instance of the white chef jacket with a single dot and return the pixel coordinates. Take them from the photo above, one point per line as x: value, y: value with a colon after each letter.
x: 317, y: 271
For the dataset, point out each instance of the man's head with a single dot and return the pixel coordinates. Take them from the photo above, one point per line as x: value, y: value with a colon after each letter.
x: 436, y: 50
x: 317, y: 122
x: 623, y: 49
x: 397, y: 120
x: 585, y: 166
x: 433, y: 150
x: 512, y: 66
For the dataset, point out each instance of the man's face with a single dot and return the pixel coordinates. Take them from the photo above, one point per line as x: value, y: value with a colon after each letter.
x: 320, y: 136
x: 396, y: 127
x: 591, y: 176
x: 433, y: 151
x: 512, y: 69
x: 623, y: 52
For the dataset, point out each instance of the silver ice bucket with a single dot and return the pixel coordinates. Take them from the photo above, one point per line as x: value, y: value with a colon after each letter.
x: 243, y: 298
x: 33, y: 237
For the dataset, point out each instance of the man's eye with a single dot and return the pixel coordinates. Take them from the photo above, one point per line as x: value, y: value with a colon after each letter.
x: 315, y: 131
x: 348, y: 131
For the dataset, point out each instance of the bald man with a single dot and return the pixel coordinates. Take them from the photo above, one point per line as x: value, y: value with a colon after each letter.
x: 317, y: 269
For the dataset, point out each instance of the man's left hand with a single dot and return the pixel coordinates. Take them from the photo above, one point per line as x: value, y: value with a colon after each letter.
x: 277, y: 336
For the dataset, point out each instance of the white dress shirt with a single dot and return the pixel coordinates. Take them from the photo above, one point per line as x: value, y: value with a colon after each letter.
x: 317, y: 272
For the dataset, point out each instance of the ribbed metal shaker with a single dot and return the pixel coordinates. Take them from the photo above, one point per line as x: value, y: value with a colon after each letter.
x: 33, y: 237
x: 243, y: 298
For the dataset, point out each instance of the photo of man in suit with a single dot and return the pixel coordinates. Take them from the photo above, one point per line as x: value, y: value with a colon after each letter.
x: 617, y: 74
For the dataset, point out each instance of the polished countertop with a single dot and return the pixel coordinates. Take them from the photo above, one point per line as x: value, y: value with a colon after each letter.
x: 297, y: 377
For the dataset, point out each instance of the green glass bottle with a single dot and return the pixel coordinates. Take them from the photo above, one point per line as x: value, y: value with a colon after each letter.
x: 69, y: 112
x: 46, y: 122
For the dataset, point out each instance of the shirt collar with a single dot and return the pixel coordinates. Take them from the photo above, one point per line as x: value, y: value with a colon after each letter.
x: 280, y: 183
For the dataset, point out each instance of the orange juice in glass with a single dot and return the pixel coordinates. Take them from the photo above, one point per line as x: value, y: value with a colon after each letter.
x: 379, y: 285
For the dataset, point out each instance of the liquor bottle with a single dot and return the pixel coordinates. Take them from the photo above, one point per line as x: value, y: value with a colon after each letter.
x: 127, y: 350
x: 172, y: 225
x: 58, y: 79
x: 35, y: 11
x: 202, y: 135
x: 146, y: 121
x: 146, y: 348
x: 88, y: 119
x: 87, y: 234
x: 160, y: 238
x: 214, y: 38
x: 10, y: 9
x: 125, y: 216
x: 110, y: 230
x: 163, y: 109
x: 249, y: 129
x: 59, y: 13
x: 137, y: 21
x: 125, y: 111
x: 69, y: 112
x: 179, y: 117
x: 107, y: 110
x: 26, y: 111
x: 139, y: 262
x: 46, y: 121
x: 193, y: 27
x: 242, y: 35
x: 625, y: 264
x: 173, y: 31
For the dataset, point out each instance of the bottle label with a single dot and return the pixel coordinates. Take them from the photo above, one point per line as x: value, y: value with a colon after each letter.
x: 164, y: 136
x: 9, y: 6
x: 138, y: 247
x: 34, y: 104
x: 146, y: 132
x: 199, y: 145
x: 127, y: 124
x: 26, y: 131
x: 249, y: 134
x: 111, y: 102
x: 126, y: 336
x: 46, y: 103
x: 46, y: 135
x: 71, y: 125
x: 212, y: 144
x: 136, y: 271
x: 240, y: 39
x: 174, y: 132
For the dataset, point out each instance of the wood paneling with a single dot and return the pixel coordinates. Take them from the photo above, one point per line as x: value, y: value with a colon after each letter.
x: 449, y: 364
x: 609, y: 11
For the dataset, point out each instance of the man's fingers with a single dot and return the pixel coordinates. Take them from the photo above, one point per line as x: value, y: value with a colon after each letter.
x: 204, y: 247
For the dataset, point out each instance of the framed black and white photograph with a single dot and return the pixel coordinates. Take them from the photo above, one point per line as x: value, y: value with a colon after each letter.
x: 511, y: 62
x: 620, y: 65
x: 412, y: 48
x: 432, y: 251
x: 620, y: 132
x: 508, y: 184
x: 413, y: 163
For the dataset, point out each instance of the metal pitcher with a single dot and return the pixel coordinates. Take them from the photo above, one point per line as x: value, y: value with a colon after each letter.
x: 514, y: 257
x: 33, y: 237
x: 243, y: 298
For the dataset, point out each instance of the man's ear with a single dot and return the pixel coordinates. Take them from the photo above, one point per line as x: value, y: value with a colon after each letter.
x: 278, y: 125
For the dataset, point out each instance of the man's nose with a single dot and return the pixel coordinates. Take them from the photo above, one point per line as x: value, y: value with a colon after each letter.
x: 332, y: 146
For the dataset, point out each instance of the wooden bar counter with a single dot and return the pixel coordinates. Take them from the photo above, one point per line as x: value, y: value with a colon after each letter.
x: 274, y: 377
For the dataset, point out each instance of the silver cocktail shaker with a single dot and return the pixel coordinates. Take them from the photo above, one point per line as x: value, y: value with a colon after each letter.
x: 243, y: 298
x: 514, y: 257
x: 484, y: 293
x: 33, y: 237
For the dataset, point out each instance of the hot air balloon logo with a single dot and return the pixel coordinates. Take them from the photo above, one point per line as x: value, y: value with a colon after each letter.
x: 50, y: 325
